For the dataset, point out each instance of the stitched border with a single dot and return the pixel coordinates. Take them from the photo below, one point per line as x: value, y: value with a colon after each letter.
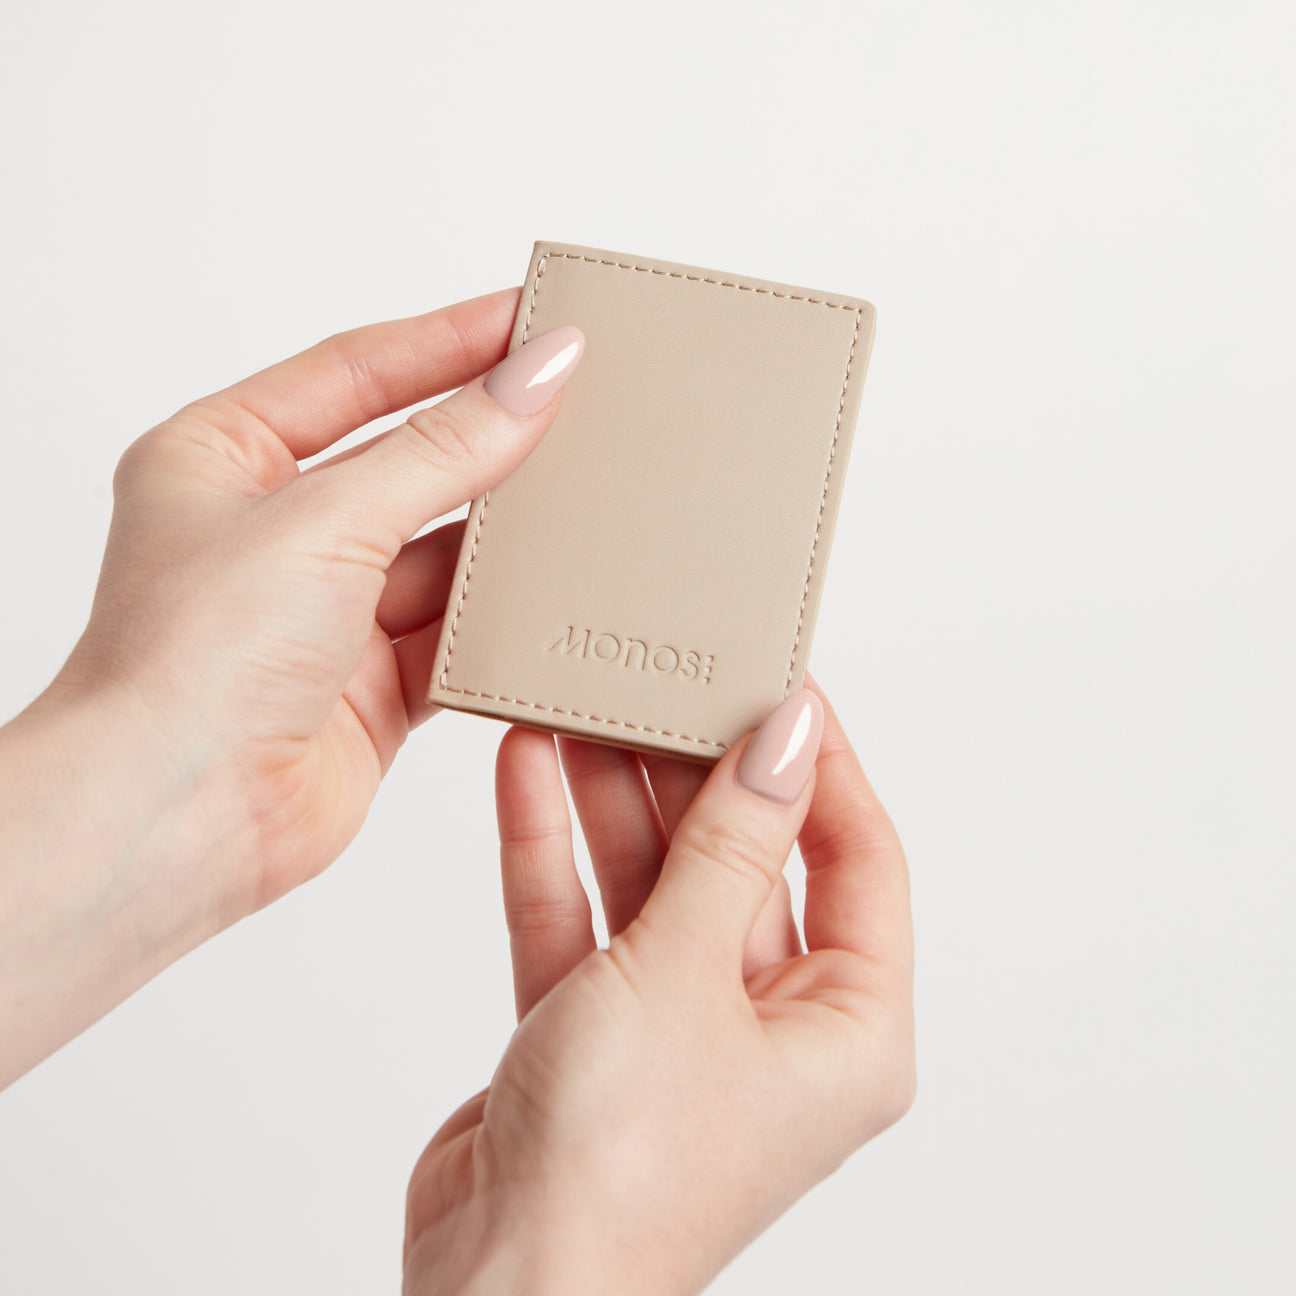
x: 580, y: 715
x: 823, y: 498
x: 823, y: 501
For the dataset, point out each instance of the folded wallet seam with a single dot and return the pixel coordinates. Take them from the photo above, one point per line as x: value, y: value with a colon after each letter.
x: 823, y: 498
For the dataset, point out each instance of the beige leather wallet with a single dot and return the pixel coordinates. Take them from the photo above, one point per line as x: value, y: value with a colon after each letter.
x: 649, y: 575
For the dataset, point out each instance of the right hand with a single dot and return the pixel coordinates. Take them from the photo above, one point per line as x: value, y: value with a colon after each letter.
x: 665, y: 1099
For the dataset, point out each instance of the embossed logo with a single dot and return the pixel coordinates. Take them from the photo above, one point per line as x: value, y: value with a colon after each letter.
x: 632, y: 654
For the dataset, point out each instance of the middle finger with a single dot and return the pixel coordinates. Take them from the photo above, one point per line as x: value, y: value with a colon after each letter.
x: 622, y: 828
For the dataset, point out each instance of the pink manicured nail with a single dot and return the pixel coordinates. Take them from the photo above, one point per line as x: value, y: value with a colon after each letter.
x: 526, y: 379
x: 782, y: 751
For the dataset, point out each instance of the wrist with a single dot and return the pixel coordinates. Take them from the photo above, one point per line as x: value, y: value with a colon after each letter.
x: 106, y: 843
x: 556, y: 1248
x: 464, y: 1257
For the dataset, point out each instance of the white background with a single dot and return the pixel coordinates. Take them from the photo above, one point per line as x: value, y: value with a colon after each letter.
x: 1059, y: 621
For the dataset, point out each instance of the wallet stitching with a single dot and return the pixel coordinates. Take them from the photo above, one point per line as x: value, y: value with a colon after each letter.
x: 679, y: 274
x: 823, y: 498
x: 823, y: 501
x: 580, y: 715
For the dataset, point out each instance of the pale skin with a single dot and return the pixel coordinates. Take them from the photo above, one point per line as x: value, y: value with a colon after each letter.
x: 256, y: 655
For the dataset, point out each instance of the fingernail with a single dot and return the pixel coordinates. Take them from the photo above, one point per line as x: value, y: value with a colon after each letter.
x: 526, y: 379
x: 782, y: 752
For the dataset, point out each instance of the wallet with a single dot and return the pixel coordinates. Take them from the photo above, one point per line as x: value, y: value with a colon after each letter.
x: 650, y: 574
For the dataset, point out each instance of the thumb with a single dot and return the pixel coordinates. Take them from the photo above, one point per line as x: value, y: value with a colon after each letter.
x: 735, y: 837
x: 447, y: 454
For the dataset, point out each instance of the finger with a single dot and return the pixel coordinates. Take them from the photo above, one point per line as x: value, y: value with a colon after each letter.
x: 446, y: 454
x: 314, y: 398
x: 415, y: 654
x: 674, y: 784
x: 373, y: 694
x: 545, y: 906
x: 620, y: 823
x: 857, y: 880
x: 774, y: 937
x: 419, y: 579
x: 733, y: 841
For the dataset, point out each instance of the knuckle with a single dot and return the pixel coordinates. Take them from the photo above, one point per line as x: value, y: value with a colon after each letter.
x: 735, y: 845
x: 845, y: 840
x: 137, y: 457
x: 454, y: 341
x: 536, y: 835
x: 368, y: 387
x: 625, y: 882
x: 443, y: 437
x: 528, y: 862
x: 541, y: 914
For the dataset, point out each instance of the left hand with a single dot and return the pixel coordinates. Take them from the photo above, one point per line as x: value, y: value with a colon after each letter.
x: 259, y: 647
x: 278, y: 625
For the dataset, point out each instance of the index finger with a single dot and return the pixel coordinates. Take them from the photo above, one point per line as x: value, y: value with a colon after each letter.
x: 857, y: 878
x: 312, y: 399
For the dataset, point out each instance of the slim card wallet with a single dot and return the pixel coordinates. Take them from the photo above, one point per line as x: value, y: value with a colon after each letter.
x: 649, y: 575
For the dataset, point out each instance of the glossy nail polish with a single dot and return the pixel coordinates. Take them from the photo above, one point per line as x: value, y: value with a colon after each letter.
x: 526, y: 379
x: 782, y: 752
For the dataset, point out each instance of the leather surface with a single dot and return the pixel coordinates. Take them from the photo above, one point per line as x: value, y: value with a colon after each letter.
x: 650, y: 575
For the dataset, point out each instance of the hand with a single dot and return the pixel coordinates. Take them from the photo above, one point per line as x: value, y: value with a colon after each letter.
x: 665, y: 1099
x: 259, y: 648
x: 277, y: 623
